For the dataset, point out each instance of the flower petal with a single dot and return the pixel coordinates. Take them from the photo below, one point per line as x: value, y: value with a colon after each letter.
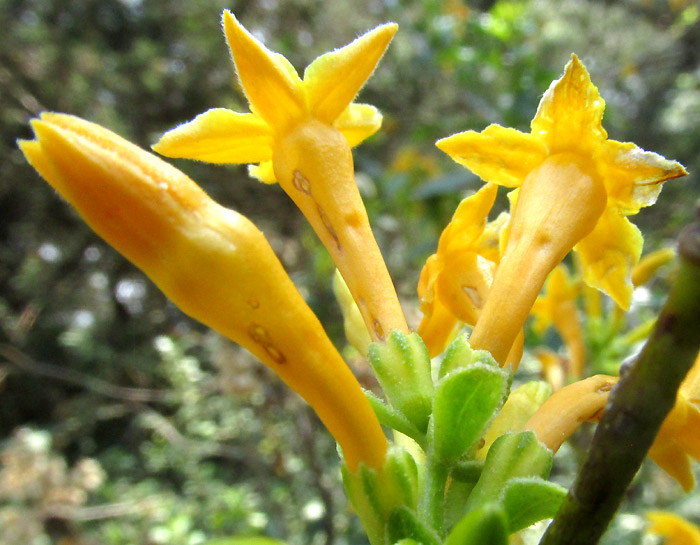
x: 497, y: 154
x: 633, y: 177
x: 333, y: 79
x: 688, y: 437
x: 263, y: 172
x: 357, y: 122
x: 674, y: 461
x: 571, y: 111
x: 219, y: 136
x: 271, y: 84
x: 608, y: 254
x: 675, y: 530
x: 469, y: 221
x: 438, y: 326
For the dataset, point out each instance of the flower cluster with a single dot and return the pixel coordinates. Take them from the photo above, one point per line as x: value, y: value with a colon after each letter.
x: 461, y: 434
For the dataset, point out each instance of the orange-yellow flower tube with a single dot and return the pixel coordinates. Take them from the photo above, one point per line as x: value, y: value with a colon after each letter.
x: 300, y: 133
x: 563, y: 413
x: 211, y: 261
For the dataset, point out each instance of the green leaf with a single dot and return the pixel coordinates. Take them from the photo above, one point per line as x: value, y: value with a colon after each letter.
x: 465, y: 402
x: 512, y: 456
x: 484, y: 526
x: 402, y: 366
x: 467, y: 471
x: 527, y: 501
x: 376, y: 493
x: 393, y: 419
x: 403, y: 524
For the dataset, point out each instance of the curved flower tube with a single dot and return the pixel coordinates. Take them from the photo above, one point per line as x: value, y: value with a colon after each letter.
x: 650, y: 264
x: 553, y: 367
x: 300, y: 133
x: 563, y: 413
x: 557, y: 307
x: 210, y: 261
x: 576, y: 187
x: 456, y: 279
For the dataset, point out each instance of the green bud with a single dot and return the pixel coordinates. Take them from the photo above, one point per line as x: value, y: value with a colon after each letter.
x: 511, y: 456
x: 459, y: 354
x: 375, y: 494
x: 402, y: 365
x: 353, y: 323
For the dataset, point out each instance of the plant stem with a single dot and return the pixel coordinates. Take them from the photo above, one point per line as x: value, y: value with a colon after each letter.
x: 637, y: 407
x: 431, y: 508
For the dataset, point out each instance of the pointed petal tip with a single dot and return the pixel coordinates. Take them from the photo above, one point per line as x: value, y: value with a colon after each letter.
x: 388, y: 28
x: 447, y: 143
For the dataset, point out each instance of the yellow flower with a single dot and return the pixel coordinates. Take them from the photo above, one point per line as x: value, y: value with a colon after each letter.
x: 210, y: 261
x: 678, y: 440
x: 456, y: 279
x: 576, y: 187
x: 674, y: 529
x: 299, y: 132
x: 557, y: 307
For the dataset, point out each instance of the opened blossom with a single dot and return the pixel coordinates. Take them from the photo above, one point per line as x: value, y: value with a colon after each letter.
x: 576, y: 188
x: 210, y: 261
x: 456, y: 279
x: 299, y: 133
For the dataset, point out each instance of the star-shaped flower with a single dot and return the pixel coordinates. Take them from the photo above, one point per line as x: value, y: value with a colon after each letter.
x: 299, y: 133
x: 576, y: 187
x: 456, y: 279
x: 280, y: 99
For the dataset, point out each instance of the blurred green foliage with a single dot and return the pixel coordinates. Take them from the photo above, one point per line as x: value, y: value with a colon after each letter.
x: 192, y: 439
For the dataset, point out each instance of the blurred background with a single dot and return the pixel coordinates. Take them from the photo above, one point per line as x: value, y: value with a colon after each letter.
x: 124, y: 422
